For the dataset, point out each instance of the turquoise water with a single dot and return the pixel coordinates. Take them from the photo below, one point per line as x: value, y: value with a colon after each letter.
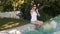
x: 47, y: 28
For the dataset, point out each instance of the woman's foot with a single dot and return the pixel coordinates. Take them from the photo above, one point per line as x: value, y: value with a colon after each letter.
x: 37, y: 27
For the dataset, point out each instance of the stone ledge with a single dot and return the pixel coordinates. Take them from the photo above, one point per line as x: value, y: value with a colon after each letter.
x: 19, y: 30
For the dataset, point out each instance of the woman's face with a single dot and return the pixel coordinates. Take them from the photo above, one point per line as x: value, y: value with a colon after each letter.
x: 34, y: 7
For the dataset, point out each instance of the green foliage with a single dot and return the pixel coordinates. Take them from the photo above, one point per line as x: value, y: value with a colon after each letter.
x: 6, y: 5
x: 10, y: 5
x: 25, y: 10
x: 1, y: 8
x: 51, y: 9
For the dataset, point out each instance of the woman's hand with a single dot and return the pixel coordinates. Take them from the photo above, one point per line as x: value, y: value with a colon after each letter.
x: 38, y: 14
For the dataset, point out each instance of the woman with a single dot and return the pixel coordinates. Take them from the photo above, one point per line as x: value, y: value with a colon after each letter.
x: 34, y: 13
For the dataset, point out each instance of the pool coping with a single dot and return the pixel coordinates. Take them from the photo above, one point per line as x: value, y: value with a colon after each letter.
x: 21, y: 29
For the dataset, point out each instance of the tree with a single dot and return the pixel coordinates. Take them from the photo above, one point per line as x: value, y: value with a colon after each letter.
x: 11, y: 4
x: 17, y: 3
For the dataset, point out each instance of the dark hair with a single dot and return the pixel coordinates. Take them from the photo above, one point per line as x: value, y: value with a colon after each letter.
x: 35, y: 6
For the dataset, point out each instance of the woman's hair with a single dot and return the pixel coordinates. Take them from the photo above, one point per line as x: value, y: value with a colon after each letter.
x: 35, y: 6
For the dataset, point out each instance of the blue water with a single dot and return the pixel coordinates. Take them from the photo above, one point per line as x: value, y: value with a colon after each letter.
x: 47, y: 29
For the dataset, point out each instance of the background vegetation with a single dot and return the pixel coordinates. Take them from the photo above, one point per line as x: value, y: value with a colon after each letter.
x: 47, y: 8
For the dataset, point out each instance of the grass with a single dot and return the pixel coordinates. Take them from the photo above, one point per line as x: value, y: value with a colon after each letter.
x: 7, y: 23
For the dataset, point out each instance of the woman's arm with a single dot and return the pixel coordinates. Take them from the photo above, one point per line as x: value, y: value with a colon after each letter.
x: 38, y: 12
x: 30, y: 11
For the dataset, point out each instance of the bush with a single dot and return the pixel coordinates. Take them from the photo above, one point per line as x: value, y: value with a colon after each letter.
x: 26, y: 11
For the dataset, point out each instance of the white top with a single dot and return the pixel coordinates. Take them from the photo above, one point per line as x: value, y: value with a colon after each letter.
x: 33, y: 16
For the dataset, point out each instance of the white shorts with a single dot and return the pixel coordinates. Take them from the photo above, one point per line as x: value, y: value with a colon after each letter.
x: 33, y: 22
x: 37, y: 22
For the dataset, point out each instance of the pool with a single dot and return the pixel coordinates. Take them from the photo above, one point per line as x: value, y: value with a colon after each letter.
x: 52, y: 27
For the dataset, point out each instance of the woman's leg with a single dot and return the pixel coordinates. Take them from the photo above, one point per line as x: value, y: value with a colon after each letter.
x: 39, y: 24
x: 33, y: 22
